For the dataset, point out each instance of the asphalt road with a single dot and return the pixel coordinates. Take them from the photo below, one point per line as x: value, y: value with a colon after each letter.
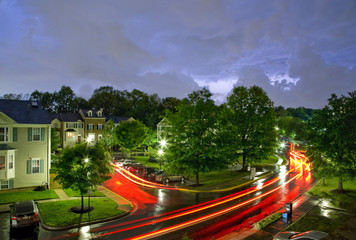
x: 181, y: 212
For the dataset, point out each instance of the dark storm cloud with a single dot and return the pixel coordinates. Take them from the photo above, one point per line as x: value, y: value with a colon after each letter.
x: 298, y: 51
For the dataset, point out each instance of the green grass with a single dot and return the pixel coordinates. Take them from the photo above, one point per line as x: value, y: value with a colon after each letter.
x: 268, y: 220
x: 11, y: 197
x: 313, y: 219
x: 220, y: 180
x: 72, y: 193
x: 270, y: 160
x: 144, y: 161
x: 347, y: 201
x: 57, y: 213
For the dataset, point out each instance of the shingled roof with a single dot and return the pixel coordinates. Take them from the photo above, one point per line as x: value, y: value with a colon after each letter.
x: 23, y: 111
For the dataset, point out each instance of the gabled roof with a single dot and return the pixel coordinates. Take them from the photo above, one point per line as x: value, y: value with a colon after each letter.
x: 23, y: 111
x: 117, y: 119
x: 85, y: 113
x: 70, y: 117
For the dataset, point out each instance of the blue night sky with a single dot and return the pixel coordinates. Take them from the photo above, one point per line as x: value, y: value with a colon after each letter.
x: 299, y: 52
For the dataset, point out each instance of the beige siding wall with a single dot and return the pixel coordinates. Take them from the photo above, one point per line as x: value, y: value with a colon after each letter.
x: 26, y: 150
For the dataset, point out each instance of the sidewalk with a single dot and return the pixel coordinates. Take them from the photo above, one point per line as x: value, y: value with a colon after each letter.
x: 300, y: 207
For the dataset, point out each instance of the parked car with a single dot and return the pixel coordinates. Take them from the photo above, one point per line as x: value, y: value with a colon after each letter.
x: 165, y: 178
x: 151, y: 172
x: 314, y: 234
x: 152, y: 159
x: 23, y: 214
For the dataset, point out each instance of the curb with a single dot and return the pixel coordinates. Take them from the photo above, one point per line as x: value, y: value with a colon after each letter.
x: 51, y: 228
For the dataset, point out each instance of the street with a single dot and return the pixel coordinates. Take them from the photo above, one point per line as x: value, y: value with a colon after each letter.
x: 163, y: 210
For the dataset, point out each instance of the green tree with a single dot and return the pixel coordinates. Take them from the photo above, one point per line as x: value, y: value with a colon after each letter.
x: 332, y: 132
x: 65, y: 100
x: 249, y: 123
x: 291, y: 127
x: 55, y: 142
x: 109, y: 139
x: 131, y: 134
x: 191, y: 141
x: 84, y: 167
x: 106, y: 98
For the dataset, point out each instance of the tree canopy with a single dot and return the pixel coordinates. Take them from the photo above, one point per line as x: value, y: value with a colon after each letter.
x: 331, y: 132
x: 131, y: 134
x: 84, y: 167
x: 249, y: 122
x: 192, y: 138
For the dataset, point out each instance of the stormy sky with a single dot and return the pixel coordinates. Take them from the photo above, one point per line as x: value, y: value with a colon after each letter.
x: 299, y: 52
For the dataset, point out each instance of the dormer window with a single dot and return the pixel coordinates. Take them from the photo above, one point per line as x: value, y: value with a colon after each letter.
x: 90, y: 113
x: 99, y: 113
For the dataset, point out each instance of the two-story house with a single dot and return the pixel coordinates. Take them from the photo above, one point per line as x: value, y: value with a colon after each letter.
x: 25, y: 144
x: 94, y: 122
x: 70, y: 128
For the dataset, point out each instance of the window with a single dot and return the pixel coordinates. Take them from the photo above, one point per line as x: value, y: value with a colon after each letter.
x: 90, y: 126
x: 4, y: 134
x: 70, y: 134
x: 99, y: 113
x: 11, y: 161
x: 90, y: 113
x: 2, y: 163
x: 36, y: 134
x: 100, y: 126
x: 74, y: 125
x: 4, y: 185
x: 100, y: 137
x: 7, y: 184
x: 35, y: 166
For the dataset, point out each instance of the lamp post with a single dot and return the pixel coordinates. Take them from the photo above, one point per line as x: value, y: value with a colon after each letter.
x: 160, y: 152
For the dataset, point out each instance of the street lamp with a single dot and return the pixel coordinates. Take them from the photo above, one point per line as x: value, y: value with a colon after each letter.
x: 160, y: 153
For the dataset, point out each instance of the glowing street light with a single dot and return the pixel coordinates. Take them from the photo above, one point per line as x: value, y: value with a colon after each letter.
x: 86, y: 160
x: 163, y: 143
x: 160, y: 152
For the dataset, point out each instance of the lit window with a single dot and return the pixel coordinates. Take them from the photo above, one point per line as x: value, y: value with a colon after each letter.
x: 11, y: 161
x: 70, y: 134
x: 35, y: 166
x: 2, y: 163
x: 36, y: 134
x: 4, y: 134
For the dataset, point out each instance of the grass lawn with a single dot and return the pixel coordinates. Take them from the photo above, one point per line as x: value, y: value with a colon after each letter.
x: 347, y: 201
x: 57, y: 213
x: 313, y: 219
x: 72, y: 193
x: 219, y: 180
x: 11, y: 197
x: 144, y: 161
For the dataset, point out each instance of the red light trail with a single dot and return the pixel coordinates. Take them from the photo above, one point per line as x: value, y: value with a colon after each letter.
x: 297, y: 161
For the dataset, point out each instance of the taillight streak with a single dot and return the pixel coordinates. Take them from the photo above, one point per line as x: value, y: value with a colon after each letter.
x: 201, y: 219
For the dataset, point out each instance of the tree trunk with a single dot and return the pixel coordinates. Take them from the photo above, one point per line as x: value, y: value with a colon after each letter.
x: 243, y: 159
x: 82, y: 203
x: 197, y: 179
x: 340, y: 188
